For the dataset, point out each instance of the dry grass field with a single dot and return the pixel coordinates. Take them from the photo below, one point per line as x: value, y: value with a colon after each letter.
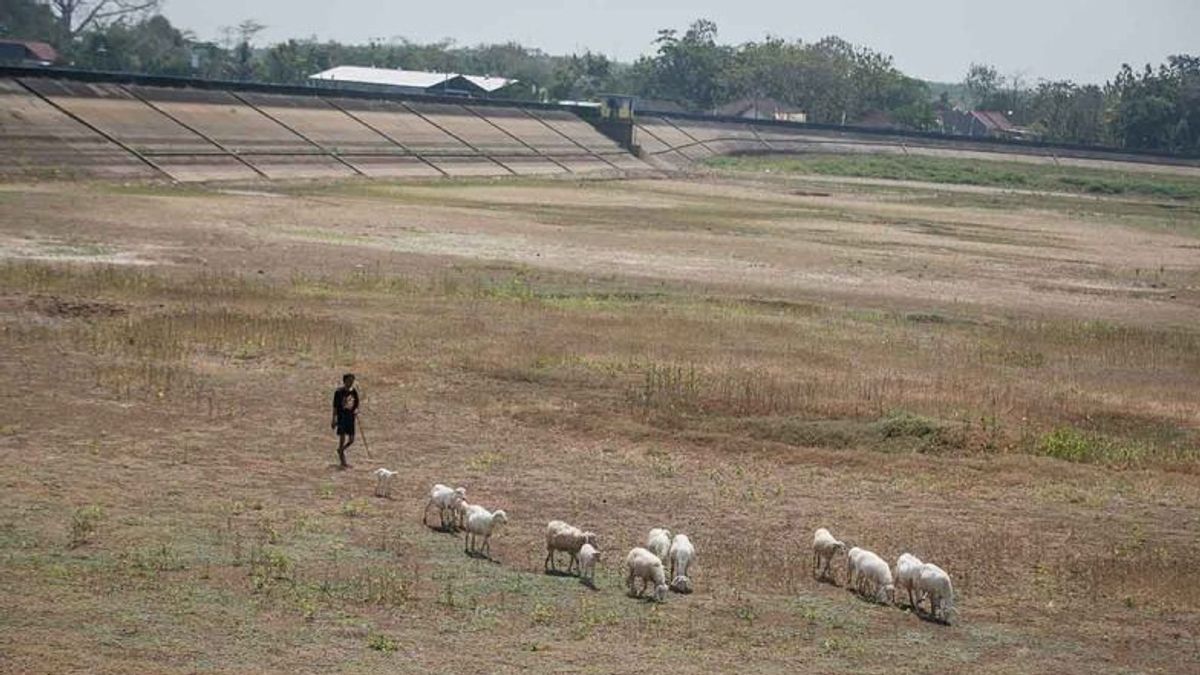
x: 1004, y: 383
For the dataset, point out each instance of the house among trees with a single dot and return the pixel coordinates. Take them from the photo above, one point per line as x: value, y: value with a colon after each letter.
x: 762, y: 109
x: 390, y: 80
x: 27, y: 53
x: 980, y: 123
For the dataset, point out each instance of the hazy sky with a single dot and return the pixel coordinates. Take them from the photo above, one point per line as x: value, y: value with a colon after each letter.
x: 1085, y: 40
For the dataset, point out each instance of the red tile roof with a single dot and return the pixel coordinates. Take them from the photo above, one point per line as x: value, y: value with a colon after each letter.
x: 993, y: 120
x: 38, y: 51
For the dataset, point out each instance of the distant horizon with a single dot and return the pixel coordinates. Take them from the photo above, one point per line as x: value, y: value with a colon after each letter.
x: 934, y: 40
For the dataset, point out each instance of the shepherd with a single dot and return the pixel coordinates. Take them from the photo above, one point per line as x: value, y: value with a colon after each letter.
x: 345, y: 410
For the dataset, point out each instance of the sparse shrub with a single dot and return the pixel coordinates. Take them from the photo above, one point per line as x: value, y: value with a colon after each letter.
x: 385, y: 587
x: 485, y: 460
x: 269, y: 568
x: 382, y: 643
x: 84, y: 523
x: 1072, y: 445
x: 901, y: 423
x: 161, y: 558
x: 355, y: 508
x: 542, y: 614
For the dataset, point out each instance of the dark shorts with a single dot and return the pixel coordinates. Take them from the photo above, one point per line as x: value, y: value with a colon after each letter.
x: 345, y: 425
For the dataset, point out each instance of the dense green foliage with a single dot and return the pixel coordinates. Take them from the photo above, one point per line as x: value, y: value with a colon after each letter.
x: 832, y: 80
x: 1015, y: 175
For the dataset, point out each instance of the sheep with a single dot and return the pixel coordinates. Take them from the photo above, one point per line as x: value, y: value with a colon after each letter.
x: 681, y: 553
x: 908, y: 568
x: 458, y: 513
x: 481, y: 523
x: 824, y: 548
x: 383, y: 482
x: 588, y: 556
x: 647, y: 567
x: 447, y: 500
x: 874, y: 577
x: 852, y: 557
x: 658, y: 542
x: 563, y: 537
x: 935, y: 583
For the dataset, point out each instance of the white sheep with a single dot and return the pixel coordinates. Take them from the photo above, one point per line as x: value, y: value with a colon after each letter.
x: 852, y: 557
x: 588, y: 557
x: 647, y: 567
x: 824, y: 548
x: 658, y: 542
x: 935, y: 583
x: 447, y: 500
x: 906, y: 572
x: 874, y: 577
x: 681, y: 553
x: 383, y: 482
x: 563, y: 537
x: 481, y: 523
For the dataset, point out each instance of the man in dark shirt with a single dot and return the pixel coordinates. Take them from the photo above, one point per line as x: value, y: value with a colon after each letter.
x: 345, y: 409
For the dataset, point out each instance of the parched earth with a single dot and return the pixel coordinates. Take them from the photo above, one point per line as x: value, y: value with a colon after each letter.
x: 718, y: 354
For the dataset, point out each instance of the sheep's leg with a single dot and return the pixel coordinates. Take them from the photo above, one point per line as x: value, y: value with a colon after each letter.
x: 425, y: 514
x: 487, y: 545
x: 549, y: 562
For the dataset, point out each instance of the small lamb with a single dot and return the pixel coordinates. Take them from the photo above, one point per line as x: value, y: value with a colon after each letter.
x: 935, y: 583
x: 481, y: 523
x: 383, y: 482
x: 588, y: 556
x: 648, y: 567
x: 563, y: 537
x: 824, y: 548
x: 447, y: 500
x: 681, y: 553
x: 658, y: 542
x: 874, y: 578
x: 907, y: 570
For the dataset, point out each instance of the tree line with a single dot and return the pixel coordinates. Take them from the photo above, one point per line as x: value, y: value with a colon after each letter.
x: 833, y: 81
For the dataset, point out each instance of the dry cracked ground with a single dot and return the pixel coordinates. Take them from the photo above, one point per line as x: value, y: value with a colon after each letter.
x: 1001, y: 383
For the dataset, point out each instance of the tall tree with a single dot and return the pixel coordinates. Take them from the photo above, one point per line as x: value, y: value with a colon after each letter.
x: 687, y: 68
x: 76, y: 16
x: 983, y: 82
x: 27, y: 19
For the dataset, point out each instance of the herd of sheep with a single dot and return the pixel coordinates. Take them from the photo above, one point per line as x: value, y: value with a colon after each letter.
x: 872, y: 577
x: 866, y: 573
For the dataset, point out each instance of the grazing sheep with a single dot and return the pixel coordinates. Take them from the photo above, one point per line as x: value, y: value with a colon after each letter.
x: 681, y: 585
x: 458, y: 513
x: 681, y: 553
x: 588, y: 556
x: 447, y: 501
x: 658, y: 542
x: 908, y: 568
x: 824, y: 548
x: 563, y: 537
x: 648, y: 567
x: 481, y: 523
x: 935, y: 583
x: 852, y: 557
x: 874, y: 577
x: 383, y: 482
